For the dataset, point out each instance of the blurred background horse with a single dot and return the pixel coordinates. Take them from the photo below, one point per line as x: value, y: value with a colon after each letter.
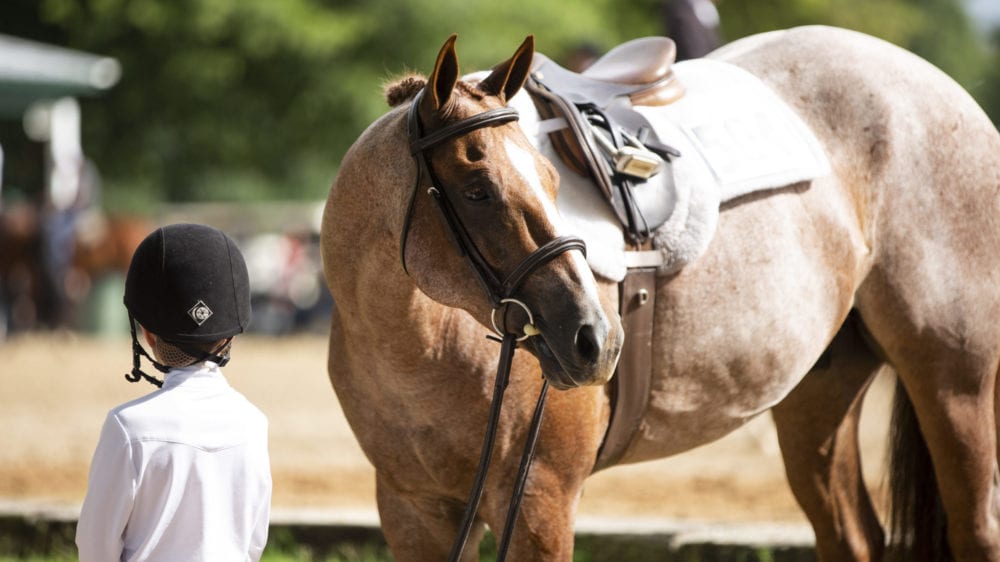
x: 34, y: 295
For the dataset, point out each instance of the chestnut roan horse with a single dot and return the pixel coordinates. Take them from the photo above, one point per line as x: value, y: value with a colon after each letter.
x: 893, y: 259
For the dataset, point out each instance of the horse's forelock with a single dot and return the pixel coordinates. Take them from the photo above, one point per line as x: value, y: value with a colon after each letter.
x: 404, y: 89
x: 471, y: 90
x: 452, y: 109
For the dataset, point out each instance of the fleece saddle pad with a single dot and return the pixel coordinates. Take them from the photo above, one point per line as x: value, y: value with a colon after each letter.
x: 736, y: 137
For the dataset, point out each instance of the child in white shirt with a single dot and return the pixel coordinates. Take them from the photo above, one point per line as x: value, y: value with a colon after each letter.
x: 182, y: 473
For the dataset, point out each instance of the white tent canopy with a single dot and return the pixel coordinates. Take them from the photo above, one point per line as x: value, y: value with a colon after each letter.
x: 31, y: 71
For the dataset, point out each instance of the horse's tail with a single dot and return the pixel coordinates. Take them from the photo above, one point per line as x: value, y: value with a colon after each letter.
x: 917, y: 519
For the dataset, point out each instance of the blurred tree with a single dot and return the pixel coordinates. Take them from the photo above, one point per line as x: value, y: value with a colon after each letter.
x: 937, y: 30
x: 220, y: 99
x: 253, y: 99
x: 948, y: 38
x: 249, y: 99
x: 989, y: 90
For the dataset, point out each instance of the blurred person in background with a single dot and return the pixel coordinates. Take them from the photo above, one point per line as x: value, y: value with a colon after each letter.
x: 1, y: 177
x: 582, y: 56
x: 70, y: 188
x: 693, y: 25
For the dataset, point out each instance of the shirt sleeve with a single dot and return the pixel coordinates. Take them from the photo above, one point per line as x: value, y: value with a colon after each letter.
x: 110, y: 493
x: 258, y: 539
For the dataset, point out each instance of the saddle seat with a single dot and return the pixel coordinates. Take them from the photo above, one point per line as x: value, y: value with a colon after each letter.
x: 645, y: 62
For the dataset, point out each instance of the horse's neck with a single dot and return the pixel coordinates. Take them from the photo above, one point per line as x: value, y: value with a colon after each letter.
x: 378, y: 301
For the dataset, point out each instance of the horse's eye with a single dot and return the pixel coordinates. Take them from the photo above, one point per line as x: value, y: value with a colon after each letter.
x: 477, y: 194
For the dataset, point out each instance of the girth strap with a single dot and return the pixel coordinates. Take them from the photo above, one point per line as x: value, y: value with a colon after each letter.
x: 629, y: 388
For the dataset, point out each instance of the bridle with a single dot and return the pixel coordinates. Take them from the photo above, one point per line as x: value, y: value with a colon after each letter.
x: 499, y: 291
x: 496, y: 289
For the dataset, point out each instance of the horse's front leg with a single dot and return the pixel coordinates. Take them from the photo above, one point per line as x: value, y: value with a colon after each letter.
x: 419, y: 527
x: 572, y: 430
x: 817, y: 428
x: 544, y: 527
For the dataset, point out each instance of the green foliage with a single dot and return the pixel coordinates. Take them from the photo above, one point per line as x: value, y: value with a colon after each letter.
x: 284, y: 545
x: 938, y: 30
x: 987, y: 90
x: 259, y: 99
x: 38, y: 559
x: 892, y: 21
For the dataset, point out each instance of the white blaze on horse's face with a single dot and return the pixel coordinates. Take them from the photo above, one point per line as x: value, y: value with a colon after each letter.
x: 582, y: 347
x: 524, y: 162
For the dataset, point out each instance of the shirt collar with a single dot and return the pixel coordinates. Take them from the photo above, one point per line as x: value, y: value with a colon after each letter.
x: 205, y: 372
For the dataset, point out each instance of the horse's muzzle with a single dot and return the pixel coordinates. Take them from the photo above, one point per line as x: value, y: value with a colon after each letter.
x: 585, y: 356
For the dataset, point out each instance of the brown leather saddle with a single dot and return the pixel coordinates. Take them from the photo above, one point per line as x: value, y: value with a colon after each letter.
x: 604, y: 137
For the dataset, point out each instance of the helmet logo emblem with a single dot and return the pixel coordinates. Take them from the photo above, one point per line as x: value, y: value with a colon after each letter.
x: 200, y: 312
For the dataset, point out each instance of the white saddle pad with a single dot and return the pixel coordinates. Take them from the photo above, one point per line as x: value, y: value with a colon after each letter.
x: 735, y: 132
x: 735, y: 135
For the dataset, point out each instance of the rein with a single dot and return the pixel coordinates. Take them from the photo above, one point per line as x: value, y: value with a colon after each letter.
x: 499, y: 291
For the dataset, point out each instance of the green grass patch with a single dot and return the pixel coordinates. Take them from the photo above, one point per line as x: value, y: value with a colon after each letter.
x: 26, y: 540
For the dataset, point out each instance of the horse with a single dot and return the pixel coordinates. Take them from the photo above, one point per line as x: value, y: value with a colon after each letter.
x: 20, y: 271
x: 102, y: 244
x: 804, y: 293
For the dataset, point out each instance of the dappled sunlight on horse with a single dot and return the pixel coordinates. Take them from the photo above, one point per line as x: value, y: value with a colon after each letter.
x: 802, y: 295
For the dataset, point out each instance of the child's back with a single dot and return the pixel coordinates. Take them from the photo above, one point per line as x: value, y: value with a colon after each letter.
x: 182, y: 473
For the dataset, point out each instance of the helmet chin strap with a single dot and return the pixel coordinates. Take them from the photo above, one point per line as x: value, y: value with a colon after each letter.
x: 137, y: 373
x: 138, y: 351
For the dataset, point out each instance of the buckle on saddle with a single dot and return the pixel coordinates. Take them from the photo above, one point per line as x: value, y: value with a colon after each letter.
x: 632, y: 159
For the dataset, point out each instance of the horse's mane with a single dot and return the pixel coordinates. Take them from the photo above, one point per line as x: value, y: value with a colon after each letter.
x: 403, y: 89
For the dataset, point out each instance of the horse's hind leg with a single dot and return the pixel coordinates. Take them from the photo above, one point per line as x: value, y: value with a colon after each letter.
x: 954, y: 402
x: 817, y: 428
x: 947, y: 361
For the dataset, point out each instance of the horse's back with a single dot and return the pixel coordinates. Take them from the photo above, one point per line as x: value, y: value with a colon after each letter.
x: 920, y: 159
x: 893, y: 231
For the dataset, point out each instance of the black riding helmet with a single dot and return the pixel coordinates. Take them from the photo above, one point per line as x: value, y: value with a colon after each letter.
x: 188, y: 284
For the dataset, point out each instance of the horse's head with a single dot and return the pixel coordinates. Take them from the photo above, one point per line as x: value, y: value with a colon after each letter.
x: 481, y: 187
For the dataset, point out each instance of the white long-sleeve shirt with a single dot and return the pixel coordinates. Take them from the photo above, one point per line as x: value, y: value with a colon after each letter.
x: 180, y: 474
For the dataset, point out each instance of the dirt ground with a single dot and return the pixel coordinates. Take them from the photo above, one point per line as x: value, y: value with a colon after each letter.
x: 55, y: 390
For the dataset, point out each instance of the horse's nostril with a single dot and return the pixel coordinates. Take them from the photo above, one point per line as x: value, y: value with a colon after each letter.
x: 587, y: 345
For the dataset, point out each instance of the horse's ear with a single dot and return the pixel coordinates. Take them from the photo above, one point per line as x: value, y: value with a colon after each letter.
x: 508, y: 76
x: 442, y: 80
